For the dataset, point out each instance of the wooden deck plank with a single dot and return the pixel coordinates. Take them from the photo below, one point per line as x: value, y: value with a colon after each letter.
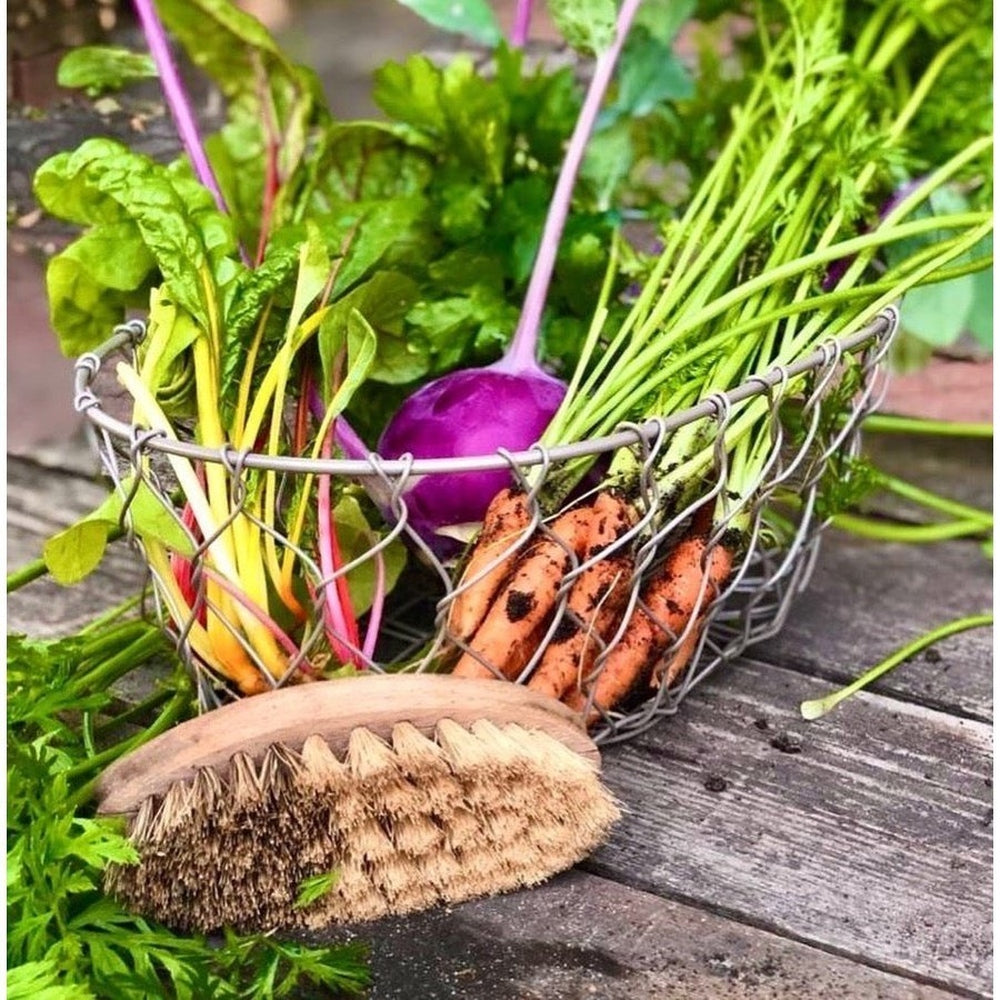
x: 584, y: 936
x: 41, y: 501
x: 868, y: 598
x: 874, y: 840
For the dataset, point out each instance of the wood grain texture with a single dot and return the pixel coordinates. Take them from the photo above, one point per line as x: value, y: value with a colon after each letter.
x: 867, y: 598
x: 873, y: 840
x: 583, y: 936
x: 333, y: 710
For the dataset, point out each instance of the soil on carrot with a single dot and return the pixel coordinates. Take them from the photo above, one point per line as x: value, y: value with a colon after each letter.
x: 519, y: 605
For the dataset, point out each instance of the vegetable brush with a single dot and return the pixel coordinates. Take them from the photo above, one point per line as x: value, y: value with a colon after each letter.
x: 401, y: 792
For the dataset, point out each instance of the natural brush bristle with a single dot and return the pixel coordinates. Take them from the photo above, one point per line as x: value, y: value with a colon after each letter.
x: 404, y: 825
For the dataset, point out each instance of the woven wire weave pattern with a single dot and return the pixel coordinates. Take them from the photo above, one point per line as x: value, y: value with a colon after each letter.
x: 779, y: 550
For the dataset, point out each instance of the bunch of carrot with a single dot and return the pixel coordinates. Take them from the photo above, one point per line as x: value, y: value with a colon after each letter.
x: 554, y: 607
x: 579, y: 607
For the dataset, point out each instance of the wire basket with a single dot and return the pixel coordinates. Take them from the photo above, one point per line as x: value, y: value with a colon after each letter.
x: 809, y: 441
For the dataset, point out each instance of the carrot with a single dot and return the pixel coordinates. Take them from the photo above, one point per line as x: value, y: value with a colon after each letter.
x: 510, y: 631
x: 672, y: 597
x: 506, y: 518
x: 594, y: 603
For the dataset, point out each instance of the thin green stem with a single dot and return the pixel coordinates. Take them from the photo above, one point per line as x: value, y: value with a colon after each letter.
x: 173, y: 712
x: 888, y: 531
x: 888, y: 423
x: 112, y: 614
x: 818, y: 707
x: 120, y: 664
x: 36, y: 569
x: 934, y: 501
x: 137, y: 711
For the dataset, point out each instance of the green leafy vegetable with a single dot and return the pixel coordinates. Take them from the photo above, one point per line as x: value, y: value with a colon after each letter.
x: 100, y: 68
x: 587, y: 25
x: 65, y: 940
x: 474, y: 18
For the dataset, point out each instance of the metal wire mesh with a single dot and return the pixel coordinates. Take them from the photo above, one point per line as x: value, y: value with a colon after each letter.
x: 811, y: 412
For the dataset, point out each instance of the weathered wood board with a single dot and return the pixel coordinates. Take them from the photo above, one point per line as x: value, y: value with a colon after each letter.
x: 873, y: 839
x: 584, y: 936
x: 857, y: 867
x: 867, y: 599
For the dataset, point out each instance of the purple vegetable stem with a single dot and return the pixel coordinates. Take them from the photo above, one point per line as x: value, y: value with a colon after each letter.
x: 520, y: 355
x: 173, y: 91
x: 522, y: 23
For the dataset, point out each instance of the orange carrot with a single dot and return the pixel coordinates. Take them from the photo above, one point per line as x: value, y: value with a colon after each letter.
x: 509, y: 633
x: 672, y: 596
x: 506, y: 519
x: 594, y: 604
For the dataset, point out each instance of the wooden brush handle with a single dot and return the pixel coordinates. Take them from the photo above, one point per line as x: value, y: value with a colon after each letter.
x: 332, y: 710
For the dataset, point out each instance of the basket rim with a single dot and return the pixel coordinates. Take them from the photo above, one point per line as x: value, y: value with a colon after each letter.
x: 877, y: 331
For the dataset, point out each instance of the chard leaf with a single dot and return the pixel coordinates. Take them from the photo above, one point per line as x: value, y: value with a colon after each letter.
x: 75, y: 552
x: 230, y: 45
x: 363, y: 161
x: 93, y: 281
x: 99, y: 68
x: 587, y: 25
x: 474, y: 18
x: 175, y: 217
x: 390, y: 232
x: 383, y: 300
x: 355, y: 537
x: 248, y: 298
x: 314, y: 271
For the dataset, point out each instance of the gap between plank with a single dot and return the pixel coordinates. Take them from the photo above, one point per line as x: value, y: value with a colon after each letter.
x: 747, y: 920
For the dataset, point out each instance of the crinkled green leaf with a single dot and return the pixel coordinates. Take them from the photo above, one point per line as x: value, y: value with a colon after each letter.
x: 92, y: 283
x: 99, y: 68
x: 411, y: 92
x: 177, y: 220
x: 587, y: 25
x: 473, y: 18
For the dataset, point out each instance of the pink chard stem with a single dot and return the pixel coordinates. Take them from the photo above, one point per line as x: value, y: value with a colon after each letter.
x: 176, y: 97
x: 522, y: 23
x: 520, y: 354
